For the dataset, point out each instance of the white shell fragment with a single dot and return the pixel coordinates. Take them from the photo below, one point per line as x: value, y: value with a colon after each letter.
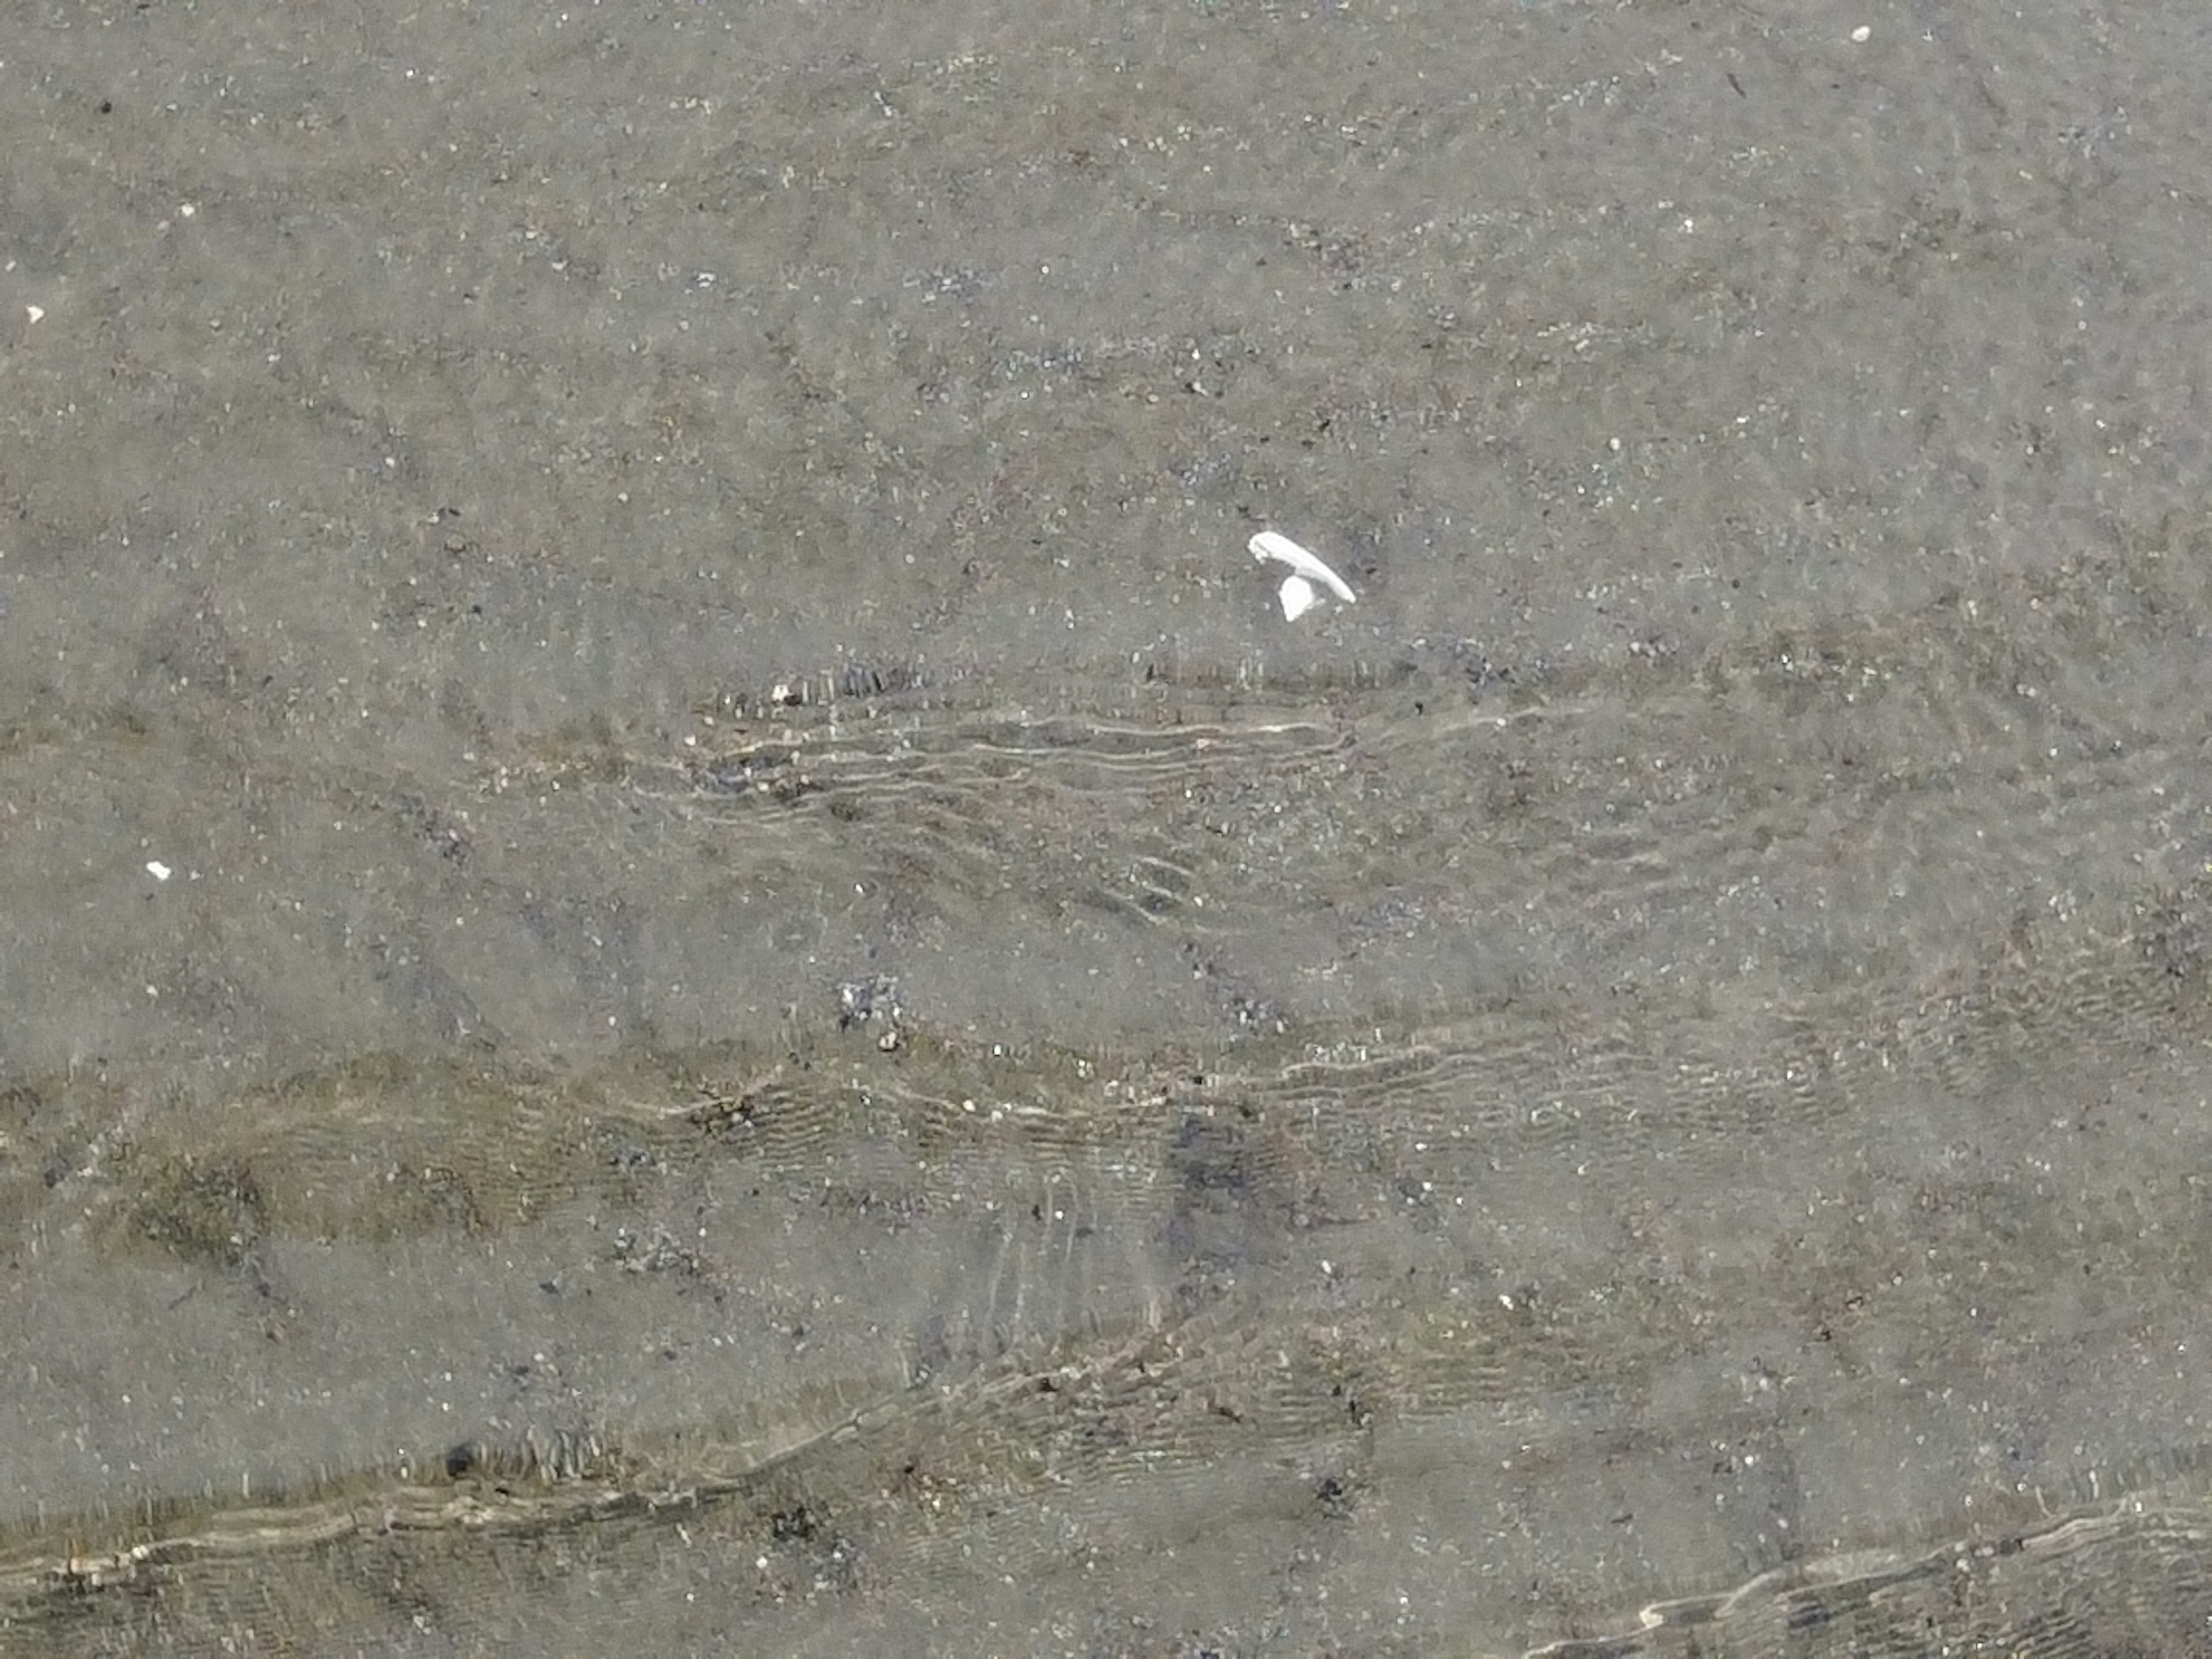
x: 1305, y: 567
x: 1297, y: 597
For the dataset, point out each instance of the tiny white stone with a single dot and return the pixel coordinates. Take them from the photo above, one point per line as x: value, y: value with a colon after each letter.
x: 156, y: 869
x: 1297, y: 596
x: 1269, y: 545
x: 1861, y: 35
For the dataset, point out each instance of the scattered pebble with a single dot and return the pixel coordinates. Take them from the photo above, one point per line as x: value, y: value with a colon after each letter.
x: 876, y: 998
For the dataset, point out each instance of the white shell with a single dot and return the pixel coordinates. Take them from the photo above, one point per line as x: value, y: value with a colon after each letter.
x: 1267, y: 544
x: 1297, y: 596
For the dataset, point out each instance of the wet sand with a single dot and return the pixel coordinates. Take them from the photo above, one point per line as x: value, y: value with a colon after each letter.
x: 692, y: 961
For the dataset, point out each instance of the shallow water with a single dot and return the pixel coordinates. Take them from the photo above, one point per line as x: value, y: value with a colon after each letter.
x: 788, y: 1013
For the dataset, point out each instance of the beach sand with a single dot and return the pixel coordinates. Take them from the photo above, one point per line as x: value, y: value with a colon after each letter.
x: 692, y: 964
